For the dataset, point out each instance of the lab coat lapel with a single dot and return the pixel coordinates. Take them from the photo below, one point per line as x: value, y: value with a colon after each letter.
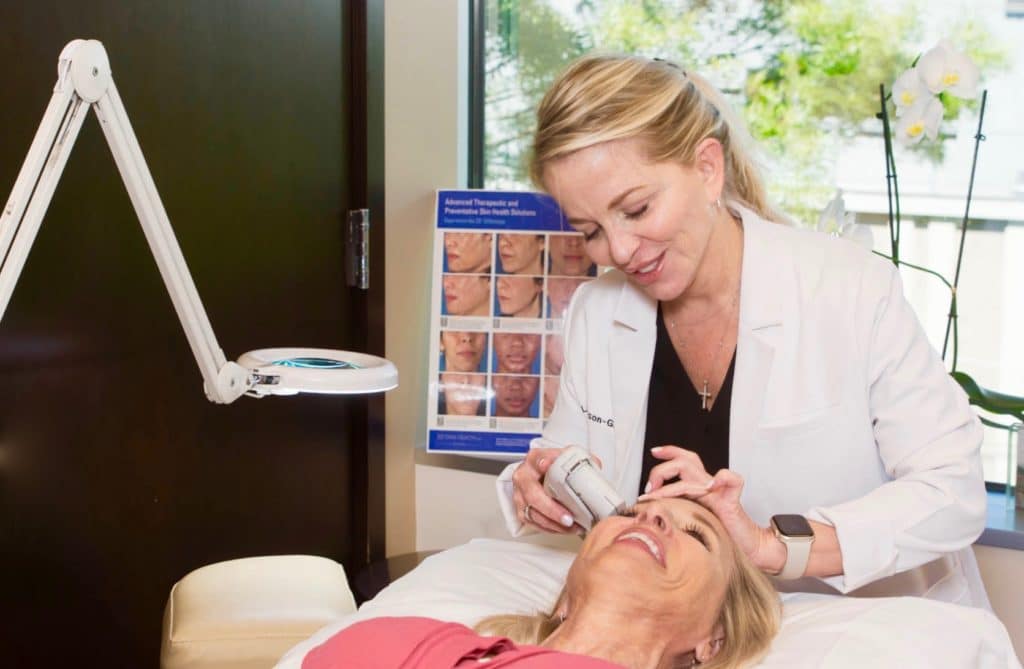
x: 761, y: 328
x: 631, y: 352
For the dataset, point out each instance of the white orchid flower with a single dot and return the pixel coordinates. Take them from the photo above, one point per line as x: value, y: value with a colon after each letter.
x: 921, y: 119
x: 858, y: 234
x: 835, y: 221
x: 943, y: 68
x: 908, y: 89
x: 833, y: 216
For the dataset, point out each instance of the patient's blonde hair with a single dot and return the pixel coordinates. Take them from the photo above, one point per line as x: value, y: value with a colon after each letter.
x: 600, y: 98
x: 749, y: 618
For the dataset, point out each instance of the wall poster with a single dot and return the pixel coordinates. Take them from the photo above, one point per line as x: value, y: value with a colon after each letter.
x: 505, y: 266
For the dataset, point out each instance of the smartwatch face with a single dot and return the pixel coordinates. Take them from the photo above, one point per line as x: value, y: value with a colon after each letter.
x: 793, y: 525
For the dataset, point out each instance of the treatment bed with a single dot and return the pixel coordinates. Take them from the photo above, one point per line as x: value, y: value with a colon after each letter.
x: 245, y: 613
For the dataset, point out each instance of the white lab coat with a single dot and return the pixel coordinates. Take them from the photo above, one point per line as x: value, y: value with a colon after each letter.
x: 841, y: 410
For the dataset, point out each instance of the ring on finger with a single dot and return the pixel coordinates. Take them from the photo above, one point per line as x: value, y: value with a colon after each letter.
x: 526, y: 514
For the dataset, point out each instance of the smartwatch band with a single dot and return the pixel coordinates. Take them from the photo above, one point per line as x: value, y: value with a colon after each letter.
x: 798, y: 544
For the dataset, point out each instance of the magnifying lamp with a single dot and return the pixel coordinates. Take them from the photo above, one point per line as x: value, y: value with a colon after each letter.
x: 84, y: 81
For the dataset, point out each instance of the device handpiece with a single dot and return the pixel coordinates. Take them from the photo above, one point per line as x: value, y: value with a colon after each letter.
x: 574, y: 481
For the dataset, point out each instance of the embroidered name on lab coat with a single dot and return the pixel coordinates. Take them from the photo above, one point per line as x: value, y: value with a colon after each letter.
x: 610, y: 422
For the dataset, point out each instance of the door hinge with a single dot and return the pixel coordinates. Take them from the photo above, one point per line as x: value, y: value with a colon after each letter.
x: 357, y: 249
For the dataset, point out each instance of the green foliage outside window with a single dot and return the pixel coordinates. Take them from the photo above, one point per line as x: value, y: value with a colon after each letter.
x: 804, y: 74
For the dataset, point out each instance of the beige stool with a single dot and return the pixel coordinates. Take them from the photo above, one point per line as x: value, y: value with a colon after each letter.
x: 244, y: 614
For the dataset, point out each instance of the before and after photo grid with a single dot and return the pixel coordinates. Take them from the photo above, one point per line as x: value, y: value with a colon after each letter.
x: 506, y: 267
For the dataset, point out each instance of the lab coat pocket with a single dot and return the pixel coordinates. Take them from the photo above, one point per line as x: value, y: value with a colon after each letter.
x: 799, y: 427
x: 807, y: 452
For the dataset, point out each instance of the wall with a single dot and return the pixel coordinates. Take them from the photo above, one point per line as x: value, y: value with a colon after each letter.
x: 425, y: 149
x: 426, y: 74
x: 444, y: 493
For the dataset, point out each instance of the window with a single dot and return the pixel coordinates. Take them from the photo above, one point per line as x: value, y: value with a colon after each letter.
x: 805, y: 76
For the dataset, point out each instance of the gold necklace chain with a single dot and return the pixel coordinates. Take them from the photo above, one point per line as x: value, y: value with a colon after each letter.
x: 705, y: 394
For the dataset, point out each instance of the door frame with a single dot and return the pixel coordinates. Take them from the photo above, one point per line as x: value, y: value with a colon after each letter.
x: 364, y: 80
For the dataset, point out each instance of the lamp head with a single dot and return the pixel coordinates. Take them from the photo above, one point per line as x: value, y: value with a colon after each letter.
x: 288, y: 371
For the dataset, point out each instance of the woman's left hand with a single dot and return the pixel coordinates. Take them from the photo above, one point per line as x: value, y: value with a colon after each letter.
x: 719, y: 493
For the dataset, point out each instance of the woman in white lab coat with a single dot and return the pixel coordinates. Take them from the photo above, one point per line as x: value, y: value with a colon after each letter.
x: 728, y: 350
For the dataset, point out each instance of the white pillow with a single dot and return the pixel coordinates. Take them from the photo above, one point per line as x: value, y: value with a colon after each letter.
x: 489, y: 576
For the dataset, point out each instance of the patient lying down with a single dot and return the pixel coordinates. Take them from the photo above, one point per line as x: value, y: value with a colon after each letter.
x: 662, y: 589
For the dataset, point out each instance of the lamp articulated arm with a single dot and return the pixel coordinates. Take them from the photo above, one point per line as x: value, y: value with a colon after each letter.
x: 83, y: 81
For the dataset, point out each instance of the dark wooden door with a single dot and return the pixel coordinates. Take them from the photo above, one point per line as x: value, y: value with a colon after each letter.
x: 117, y: 476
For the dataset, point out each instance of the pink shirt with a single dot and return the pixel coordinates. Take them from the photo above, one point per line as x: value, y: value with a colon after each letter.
x: 424, y: 643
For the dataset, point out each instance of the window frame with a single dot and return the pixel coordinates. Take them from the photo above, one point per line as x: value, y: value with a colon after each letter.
x: 477, y: 92
x: 476, y: 148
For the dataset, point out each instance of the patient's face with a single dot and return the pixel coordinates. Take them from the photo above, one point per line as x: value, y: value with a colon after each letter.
x: 672, y: 562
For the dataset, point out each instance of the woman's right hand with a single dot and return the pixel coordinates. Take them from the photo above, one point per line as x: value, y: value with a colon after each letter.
x: 534, y: 506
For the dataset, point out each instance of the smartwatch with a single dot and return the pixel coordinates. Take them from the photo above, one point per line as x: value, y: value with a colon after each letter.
x: 796, y: 533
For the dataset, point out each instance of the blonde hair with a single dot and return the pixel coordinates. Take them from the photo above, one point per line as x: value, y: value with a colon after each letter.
x: 750, y: 616
x: 749, y: 619
x: 600, y: 98
x: 520, y: 628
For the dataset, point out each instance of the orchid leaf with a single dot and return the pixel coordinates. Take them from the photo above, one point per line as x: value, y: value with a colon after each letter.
x: 992, y: 423
x: 990, y: 400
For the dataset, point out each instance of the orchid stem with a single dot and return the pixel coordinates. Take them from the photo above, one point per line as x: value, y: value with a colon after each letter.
x: 951, y: 321
x: 891, y: 183
x: 952, y: 292
x: 904, y: 263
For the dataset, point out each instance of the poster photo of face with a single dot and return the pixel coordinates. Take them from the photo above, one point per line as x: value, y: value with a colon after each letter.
x: 560, y: 292
x: 567, y: 256
x: 466, y: 295
x: 515, y: 396
x: 519, y: 296
x: 461, y: 394
x: 520, y: 253
x: 516, y: 353
x: 554, y: 354
x: 468, y: 252
x: 463, y: 351
x: 550, y: 395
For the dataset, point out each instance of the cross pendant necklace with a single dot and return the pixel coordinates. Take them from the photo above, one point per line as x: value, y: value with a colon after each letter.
x: 705, y: 394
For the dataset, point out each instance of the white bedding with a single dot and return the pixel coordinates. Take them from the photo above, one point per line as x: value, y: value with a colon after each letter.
x: 488, y: 576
